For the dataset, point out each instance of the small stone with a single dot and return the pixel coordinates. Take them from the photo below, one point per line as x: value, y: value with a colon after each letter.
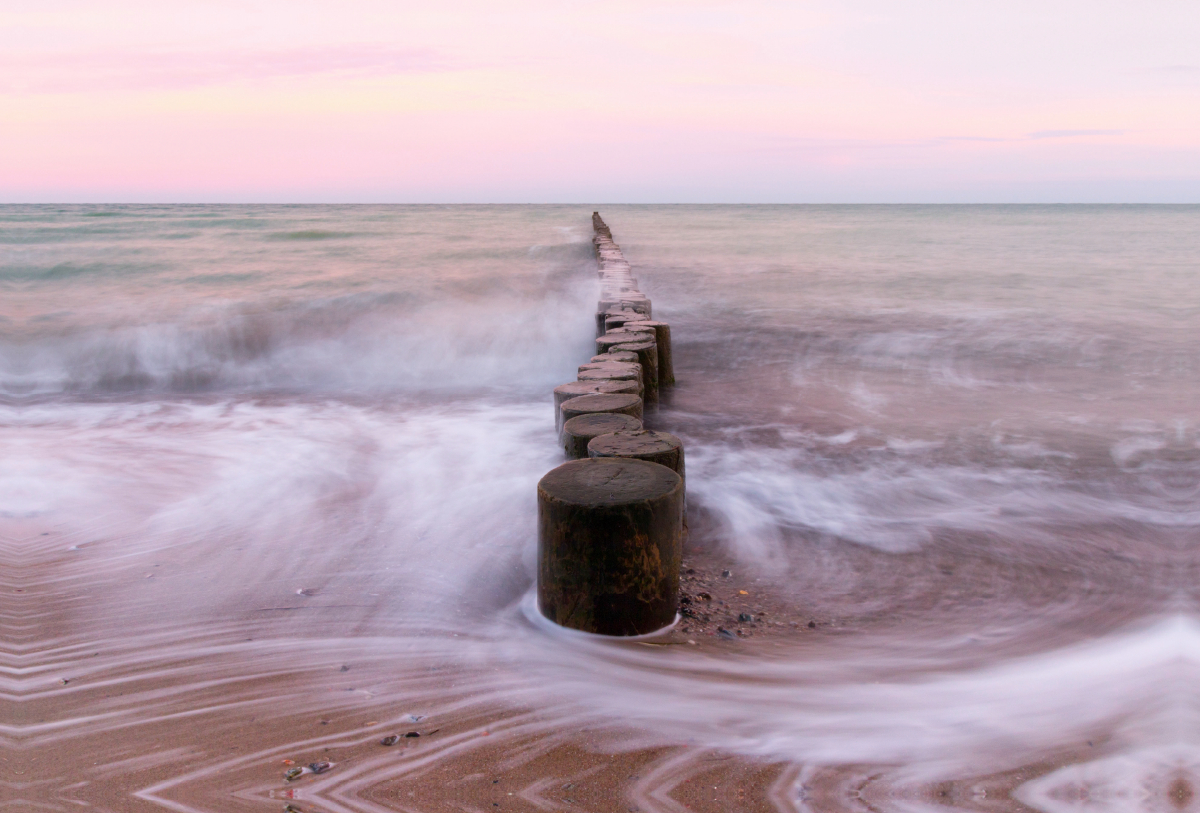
x: 413, y: 734
x: 390, y: 740
x: 319, y: 767
x: 726, y: 573
x: 745, y: 618
x: 812, y: 625
x: 724, y: 633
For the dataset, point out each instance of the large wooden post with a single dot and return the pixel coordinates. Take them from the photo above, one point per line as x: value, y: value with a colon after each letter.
x: 610, y: 536
x: 611, y: 525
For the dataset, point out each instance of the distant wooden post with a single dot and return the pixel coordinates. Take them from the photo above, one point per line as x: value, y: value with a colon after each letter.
x: 662, y: 337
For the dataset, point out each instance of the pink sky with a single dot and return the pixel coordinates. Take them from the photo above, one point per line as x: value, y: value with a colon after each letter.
x: 599, y: 101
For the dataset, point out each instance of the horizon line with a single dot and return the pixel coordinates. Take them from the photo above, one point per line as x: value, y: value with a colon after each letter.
x: 587, y: 203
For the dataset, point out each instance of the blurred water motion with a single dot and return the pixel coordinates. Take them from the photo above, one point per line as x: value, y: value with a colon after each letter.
x: 267, y: 494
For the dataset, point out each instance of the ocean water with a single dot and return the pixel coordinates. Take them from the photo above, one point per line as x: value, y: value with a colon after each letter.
x: 268, y: 466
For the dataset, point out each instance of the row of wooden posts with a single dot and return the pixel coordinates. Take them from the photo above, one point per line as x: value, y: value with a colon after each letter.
x: 611, y: 519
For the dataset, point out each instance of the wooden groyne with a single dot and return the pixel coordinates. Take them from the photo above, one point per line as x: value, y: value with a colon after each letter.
x: 610, y: 521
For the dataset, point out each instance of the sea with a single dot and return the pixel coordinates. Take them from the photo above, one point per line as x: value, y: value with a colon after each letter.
x: 268, y: 493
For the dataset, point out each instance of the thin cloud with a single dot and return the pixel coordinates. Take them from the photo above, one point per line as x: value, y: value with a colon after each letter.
x: 1073, y: 133
x: 971, y: 138
x: 59, y: 73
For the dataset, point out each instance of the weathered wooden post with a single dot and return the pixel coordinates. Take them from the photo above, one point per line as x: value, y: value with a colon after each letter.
x: 623, y: 356
x: 603, y: 370
x: 662, y: 337
x: 632, y: 367
x: 599, y: 226
x: 624, y: 404
x: 579, y: 431
x: 647, y: 350
x: 610, y: 537
x: 604, y: 386
x: 615, y: 320
x: 641, y: 444
x: 606, y: 342
x: 590, y: 376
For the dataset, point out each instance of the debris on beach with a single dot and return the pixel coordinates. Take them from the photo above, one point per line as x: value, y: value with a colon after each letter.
x: 390, y: 739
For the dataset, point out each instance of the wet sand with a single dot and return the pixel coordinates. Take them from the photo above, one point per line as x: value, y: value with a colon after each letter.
x: 209, y: 717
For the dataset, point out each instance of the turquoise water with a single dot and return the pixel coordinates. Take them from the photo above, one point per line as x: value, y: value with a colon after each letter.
x: 964, y: 437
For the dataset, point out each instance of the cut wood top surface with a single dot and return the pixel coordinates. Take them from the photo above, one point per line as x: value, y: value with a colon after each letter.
x: 635, y: 343
x: 600, y: 403
x: 622, y: 356
x: 576, y: 389
x: 608, y: 481
x: 611, y: 340
x: 600, y: 423
x: 633, y: 443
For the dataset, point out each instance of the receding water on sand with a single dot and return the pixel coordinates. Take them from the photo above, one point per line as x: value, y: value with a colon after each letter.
x: 947, y: 455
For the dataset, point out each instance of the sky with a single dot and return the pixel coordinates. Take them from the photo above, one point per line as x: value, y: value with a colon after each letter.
x: 657, y: 101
